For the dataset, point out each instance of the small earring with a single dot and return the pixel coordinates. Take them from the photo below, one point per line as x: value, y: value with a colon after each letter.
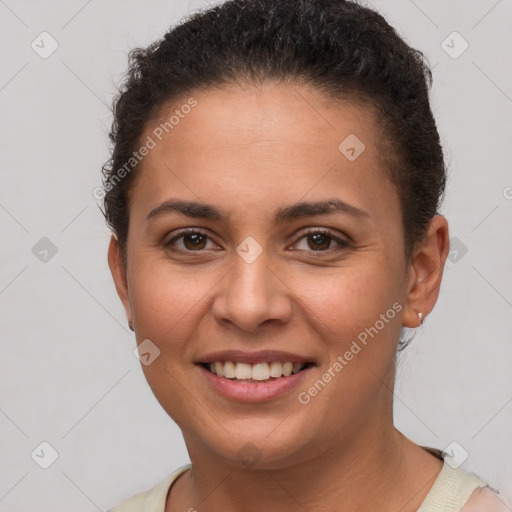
x: 420, y: 318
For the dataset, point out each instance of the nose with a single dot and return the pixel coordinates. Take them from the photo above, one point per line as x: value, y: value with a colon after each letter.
x: 252, y: 294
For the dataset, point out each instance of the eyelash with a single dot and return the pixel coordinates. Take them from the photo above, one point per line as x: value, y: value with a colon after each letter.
x: 343, y: 244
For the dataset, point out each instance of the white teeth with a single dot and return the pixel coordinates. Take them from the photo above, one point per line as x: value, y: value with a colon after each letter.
x: 229, y: 370
x: 287, y: 369
x: 219, y: 369
x: 243, y: 371
x: 276, y: 369
x: 258, y: 371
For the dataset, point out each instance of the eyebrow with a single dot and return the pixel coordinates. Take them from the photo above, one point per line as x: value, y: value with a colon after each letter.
x: 303, y: 209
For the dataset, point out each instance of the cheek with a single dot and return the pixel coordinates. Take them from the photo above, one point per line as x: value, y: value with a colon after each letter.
x: 165, y: 302
x: 351, y: 298
x: 356, y: 316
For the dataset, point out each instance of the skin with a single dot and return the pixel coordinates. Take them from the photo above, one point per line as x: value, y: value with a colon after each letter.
x: 250, y: 151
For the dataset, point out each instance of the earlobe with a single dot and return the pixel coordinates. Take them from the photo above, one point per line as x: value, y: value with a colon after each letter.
x: 426, y: 272
x: 119, y: 274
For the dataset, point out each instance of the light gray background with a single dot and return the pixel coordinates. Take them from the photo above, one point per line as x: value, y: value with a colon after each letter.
x: 69, y: 376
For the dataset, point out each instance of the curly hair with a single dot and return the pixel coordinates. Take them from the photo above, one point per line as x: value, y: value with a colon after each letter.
x: 343, y: 49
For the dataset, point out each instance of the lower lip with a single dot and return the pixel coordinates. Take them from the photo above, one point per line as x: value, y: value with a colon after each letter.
x: 254, y: 391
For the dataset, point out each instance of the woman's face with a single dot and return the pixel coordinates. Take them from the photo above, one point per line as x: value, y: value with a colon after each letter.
x: 254, y: 277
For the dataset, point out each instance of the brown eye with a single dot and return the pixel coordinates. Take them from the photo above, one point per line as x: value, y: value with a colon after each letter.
x: 192, y: 240
x: 321, y: 241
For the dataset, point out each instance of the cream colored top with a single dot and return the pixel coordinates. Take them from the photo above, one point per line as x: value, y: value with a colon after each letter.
x: 454, y: 490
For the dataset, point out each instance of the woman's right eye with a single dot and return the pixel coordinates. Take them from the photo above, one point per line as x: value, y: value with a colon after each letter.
x: 192, y: 240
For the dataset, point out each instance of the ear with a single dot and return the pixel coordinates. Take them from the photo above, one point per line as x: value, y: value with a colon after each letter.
x: 426, y: 272
x: 119, y: 274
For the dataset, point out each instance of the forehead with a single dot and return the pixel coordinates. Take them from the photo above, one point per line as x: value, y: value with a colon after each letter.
x: 235, y: 116
x: 274, y: 139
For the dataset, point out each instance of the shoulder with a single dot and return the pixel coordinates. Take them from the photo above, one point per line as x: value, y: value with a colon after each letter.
x: 458, y: 490
x: 152, y: 500
x: 484, y: 499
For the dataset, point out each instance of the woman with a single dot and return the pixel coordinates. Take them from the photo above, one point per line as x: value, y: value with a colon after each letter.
x: 273, y: 194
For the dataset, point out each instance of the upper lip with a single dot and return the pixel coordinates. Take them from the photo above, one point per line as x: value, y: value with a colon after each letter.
x: 259, y: 356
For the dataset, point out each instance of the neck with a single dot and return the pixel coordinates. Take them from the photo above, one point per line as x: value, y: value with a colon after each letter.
x: 378, y: 470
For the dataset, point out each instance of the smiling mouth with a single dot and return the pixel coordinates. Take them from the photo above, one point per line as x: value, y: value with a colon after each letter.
x: 259, y: 372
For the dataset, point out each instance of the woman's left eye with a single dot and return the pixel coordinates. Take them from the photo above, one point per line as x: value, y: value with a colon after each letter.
x: 320, y: 240
x: 316, y: 240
